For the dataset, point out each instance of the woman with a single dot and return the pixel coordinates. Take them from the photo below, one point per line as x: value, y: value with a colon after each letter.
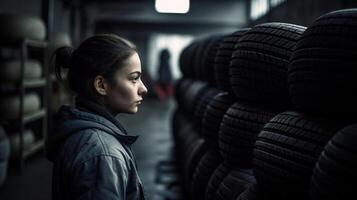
x: 89, y: 147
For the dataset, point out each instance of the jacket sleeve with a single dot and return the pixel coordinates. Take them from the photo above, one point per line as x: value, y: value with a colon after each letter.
x: 102, y: 177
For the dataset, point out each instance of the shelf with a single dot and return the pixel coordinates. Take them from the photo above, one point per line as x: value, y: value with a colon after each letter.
x: 28, y: 48
x: 35, y: 147
x: 34, y: 116
x: 35, y: 83
x: 28, y: 42
x: 34, y: 43
x: 8, y: 87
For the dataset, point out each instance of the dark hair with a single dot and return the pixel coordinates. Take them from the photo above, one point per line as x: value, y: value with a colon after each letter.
x: 98, y: 55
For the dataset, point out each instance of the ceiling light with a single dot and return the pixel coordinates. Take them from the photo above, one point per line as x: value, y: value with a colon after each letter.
x: 172, y: 6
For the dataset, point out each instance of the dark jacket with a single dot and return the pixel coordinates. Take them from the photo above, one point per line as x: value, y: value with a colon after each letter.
x: 92, y: 157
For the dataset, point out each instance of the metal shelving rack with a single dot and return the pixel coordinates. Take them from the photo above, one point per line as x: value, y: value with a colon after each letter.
x: 25, y: 46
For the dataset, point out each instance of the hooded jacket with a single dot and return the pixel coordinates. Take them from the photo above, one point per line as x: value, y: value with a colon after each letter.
x: 92, y: 157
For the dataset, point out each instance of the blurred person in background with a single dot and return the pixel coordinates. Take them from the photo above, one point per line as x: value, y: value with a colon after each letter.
x: 164, y: 85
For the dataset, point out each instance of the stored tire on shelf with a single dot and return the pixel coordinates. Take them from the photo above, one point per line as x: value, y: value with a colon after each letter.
x: 10, y: 70
x: 335, y: 173
x: 235, y: 183
x: 223, y: 58
x: 4, y: 144
x: 259, y: 64
x: 204, y: 170
x: 213, y: 116
x: 28, y: 140
x: 322, y: 72
x: 16, y: 27
x: 238, y: 132
x: 62, y: 39
x: 10, y: 105
x: 286, y: 151
x: 4, y: 154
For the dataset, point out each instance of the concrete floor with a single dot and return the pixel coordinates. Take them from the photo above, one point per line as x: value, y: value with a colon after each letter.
x: 152, y: 123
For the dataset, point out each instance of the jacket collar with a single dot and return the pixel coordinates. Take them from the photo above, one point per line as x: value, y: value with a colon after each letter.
x: 102, y: 116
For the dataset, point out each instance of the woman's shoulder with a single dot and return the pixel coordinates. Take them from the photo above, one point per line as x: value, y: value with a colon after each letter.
x: 91, y: 143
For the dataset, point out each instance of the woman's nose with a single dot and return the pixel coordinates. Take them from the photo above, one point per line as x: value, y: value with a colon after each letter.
x: 142, y: 89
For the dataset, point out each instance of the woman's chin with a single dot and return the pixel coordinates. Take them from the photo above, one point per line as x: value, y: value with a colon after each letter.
x: 133, y: 111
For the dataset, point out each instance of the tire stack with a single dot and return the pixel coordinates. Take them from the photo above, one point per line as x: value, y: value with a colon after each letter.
x: 4, y: 154
x: 283, y: 124
x: 214, y: 114
x: 324, y: 63
x: 193, y: 94
x: 260, y: 60
x: 291, y: 160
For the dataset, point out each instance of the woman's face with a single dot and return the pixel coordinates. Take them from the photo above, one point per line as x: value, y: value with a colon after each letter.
x: 126, y: 94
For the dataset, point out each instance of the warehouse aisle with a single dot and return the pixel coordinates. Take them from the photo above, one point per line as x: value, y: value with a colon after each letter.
x: 152, y: 123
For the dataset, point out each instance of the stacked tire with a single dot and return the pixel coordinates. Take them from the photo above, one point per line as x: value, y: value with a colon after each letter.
x: 194, y: 94
x: 324, y: 64
x: 257, y: 62
x: 4, y: 155
x: 291, y: 160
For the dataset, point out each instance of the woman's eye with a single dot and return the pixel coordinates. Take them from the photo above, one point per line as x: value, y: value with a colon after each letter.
x: 134, y: 79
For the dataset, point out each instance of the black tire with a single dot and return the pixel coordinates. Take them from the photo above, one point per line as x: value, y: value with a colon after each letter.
x: 202, y: 104
x: 198, y: 59
x: 208, y: 59
x: 252, y: 193
x: 223, y: 58
x: 177, y: 123
x: 4, y: 154
x: 286, y: 151
x: 213, y: 116
x: 204, y: 170
x: 4, y: 145
x: 187, y: 138
x: 187, y: 60
x: 180, y: 90
x: 194, y: 91
x: 185, y: 135
x: 322, y: 71
x: 335, y: 172
x: 216, y: 179
x: 197, y: 150
x: 259, y: 65
x: 236, y: 182
x: 238, y: 132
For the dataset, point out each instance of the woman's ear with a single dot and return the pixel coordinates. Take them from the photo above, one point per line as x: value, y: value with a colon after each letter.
x: 100, y: 85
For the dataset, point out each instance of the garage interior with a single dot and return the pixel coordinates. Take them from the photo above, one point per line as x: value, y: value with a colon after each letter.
x: 260, y: 103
